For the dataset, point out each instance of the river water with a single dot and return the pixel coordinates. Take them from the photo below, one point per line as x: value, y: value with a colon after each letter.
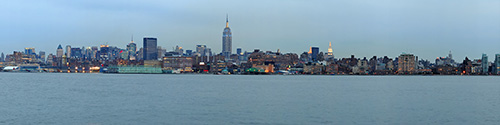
x: 60, y: 98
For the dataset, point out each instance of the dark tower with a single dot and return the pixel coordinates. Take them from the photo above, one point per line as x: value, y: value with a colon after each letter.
x: 150, y: 48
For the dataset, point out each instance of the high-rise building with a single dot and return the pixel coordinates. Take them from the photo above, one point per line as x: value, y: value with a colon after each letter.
x: 88, y: 53
x: 497, y: 64
x: 329, y: 54
x: 238, y: 51
x: 2, y: 58
x: 179, y: 50
x: 83, y: 52
x: 76, y: 53
x: 59, y: 52
x: 313, y: 52
x: 200, y: 49
x: 447, y: 61
x: 68, y: 51
x: 406, y: 64
x: 50, y: 59
x: 150, y: 48
x: 208, y: 52
x: 124, y: 54
x: 140, y: 54
x: 93, y: 52
x: 29, y: 51
x: 450, y: 56
x: 104, y: 53
x: 189, y: 52
x: 41, y: 55
x: 227, y: 40
x: 484, y: 64
x: 132, y: 48
x: 161, y: 52
x: 330, y: 50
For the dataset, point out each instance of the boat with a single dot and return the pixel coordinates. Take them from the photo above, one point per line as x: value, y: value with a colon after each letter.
x: 11, y: 69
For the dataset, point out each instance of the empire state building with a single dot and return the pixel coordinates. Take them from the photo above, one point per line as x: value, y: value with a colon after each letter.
x: 227, y: 40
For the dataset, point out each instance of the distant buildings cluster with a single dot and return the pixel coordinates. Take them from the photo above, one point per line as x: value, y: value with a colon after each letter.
x: 152, y: 58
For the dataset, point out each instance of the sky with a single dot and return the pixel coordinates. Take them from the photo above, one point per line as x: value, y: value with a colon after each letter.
x: 365, y: 28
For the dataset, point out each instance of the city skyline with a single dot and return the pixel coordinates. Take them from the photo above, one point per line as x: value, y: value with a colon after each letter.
x: 428, y: 29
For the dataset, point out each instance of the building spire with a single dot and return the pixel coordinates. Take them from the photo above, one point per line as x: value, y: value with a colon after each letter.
x: 227, y: 20
x: 132, y: 39
x: 449, y: 55
x: 330, y: 50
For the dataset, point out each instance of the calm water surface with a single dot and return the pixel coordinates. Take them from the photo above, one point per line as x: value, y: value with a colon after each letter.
x: 43, y: 98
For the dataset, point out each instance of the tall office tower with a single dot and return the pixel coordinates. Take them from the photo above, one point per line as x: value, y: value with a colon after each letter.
x: 41, y: 55
x: 104, y: 53
x: 330, y: 50
x: 59, y: 52
x: 484, y: 64
x: 238, y: 51
x: 313, y: 52
x: 450, y: 56
x: 93, y: 54
x: 2, y: 58
x: 50, y: 59
x: 329, y: 55
x: 189, y: 52
x: 208, y: 52
x: 161, y: 52
x: 227, y: 40
x: 68, y: 51
x: 179, y: 50
x: 29, y: 51
x: 76, y: 53
x: 200, y: 49
x: 150, y: 48
x: 406, y: 64
x: 497, y: 64
x: 88, y: 53
x: 140, y: 54
x: 83, y: 52
x: 132, y: 48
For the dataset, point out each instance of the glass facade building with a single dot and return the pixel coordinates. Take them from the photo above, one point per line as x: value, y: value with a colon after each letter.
x: 150, y: 48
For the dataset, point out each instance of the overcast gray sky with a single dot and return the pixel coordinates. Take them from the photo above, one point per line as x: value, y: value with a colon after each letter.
x: 426, y: 28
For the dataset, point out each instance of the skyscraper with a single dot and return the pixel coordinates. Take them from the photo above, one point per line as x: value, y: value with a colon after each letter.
x: 313, y: 51
x: 93, y: 54
x: 329, y: 55
x: 88, y: 53
x: 150, y: 48
x: 104, y: 54
x: 76, y: 53
x: 68, y: 51
x: 484, y: 64
x: 41, y: 55
x: 59, y: 52
x: 179, y: 50
x: 238, y: 51
x: 161, y: 52
x: 330, y: 50
x: 29, y: 51
x: 227, y: 40
x: 2, y: 58
x: 189, y: 52
x: 314, y: 54
x: 200, y: 49
x: 131, y: 48
x: 497, y: 64
x: 450, y: 56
